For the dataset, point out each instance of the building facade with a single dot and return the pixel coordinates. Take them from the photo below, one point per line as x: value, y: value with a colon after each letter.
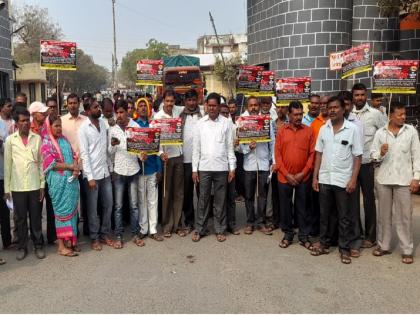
x: 295, y: 37
x: 6, y: 66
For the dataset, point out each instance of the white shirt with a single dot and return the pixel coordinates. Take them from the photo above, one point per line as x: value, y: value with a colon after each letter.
x: 171, y: 150
x: 93, y: 150
x: 372, y: 120
x: 106, y: 121
x: 3, y: 136
x: 213, y: 145
x: 337, y: 151
x: 359, y: 125
x: 125, y: 163
x: 188, y: 136
x: 401, y: 164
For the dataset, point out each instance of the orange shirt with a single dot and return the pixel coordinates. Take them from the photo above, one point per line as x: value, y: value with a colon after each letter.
x: 317, y: 124
x: 294, y: 151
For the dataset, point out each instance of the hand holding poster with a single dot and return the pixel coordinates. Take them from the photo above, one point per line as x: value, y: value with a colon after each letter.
x: 143, y: 140
x: 356, y: 60
x: 149, y: 72
x: 395, y: 76
x: 249, y: 79
x: 293, y: 89
x: 58, y: 55
x: 171, y: 130
x: 336, y: 60
x: 267, y: 84
x: 253, y: 128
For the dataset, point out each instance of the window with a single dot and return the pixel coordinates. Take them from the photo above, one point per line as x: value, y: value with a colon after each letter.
x: 43, y: 94
x: 32, y: 92
x: 4, y: 84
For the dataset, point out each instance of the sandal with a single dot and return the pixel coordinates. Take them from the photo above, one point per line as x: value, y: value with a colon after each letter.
x: 2, y: 261
x: 285, y: 243
x: 68, y: 254
x: 407, y: 259
x: 220, y: 237
x: 138, y: 241
x: 248, y: 230
x: 318, y: 251
x: 167, y: 234
x: 378, y: 252
x: 118, y: 244
x: 196, y: 236
x: 266, y: 230
x: 181, y: 233
x: 306, y: 244
x: 345, y: 258
x: 107, y: 241
x: 76, y: 249
x: 96, y: 245
x: 355, y: 253
x: 156, y: 237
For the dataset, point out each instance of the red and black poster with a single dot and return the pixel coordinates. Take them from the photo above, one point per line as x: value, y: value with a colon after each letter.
x: 395, y: 76
x: 57, y: 55
x: 171, y: 130
x: 253, y: 128
x: 149, y: 72
x: 293, y: 89
x: 356, y: 60
x: 143, y: 140
x: 267, y: 84
x: 249, y: 79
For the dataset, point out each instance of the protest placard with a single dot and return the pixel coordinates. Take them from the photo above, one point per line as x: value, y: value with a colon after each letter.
x: 395, y: 76
x: 249, y: 78
x: 336, y: 60
x: 293, y: 89
x: 143, y: 140
x: 170, y: 130
x: 149, y: 72
x: 253, y: 128
x: 267, y: 84
x: 356, y: 60
x: 57, y: 55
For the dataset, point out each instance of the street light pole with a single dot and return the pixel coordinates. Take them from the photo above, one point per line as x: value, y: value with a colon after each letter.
x: 115, y: 64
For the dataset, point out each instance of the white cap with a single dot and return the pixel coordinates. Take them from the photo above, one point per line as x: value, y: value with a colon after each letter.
x: 37, y: 107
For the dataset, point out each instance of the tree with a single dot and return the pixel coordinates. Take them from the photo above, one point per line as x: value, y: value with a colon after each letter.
x: 227, y: 73
x: 37, y: 25
x: 394, y: 7
x: 154, y: 50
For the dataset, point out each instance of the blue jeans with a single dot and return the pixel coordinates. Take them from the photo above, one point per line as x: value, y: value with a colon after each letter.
x: 120, y: 182
x: 99, y: 228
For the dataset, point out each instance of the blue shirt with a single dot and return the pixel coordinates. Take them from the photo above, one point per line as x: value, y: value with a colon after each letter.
x: 307, y: 120
x: 153, y: 164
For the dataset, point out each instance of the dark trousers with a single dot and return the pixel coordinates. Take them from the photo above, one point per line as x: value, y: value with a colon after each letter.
x: 51, y: 233
x: 312, y: 203
x: 219, y: 182
x: 367, y: 185
x: 299, y: 206
x: 239, y: 174
x: 83, y: 205
x: 335, y: 201
x: 250, y: 182
x: 173, y: 200
x: 6, y: 236
x: 275, y: 201
x: 25, y: 203
x: 231, y: 205
x: 188, y: 207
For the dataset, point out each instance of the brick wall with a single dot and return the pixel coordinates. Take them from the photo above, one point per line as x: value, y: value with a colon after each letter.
x: 5, y: 49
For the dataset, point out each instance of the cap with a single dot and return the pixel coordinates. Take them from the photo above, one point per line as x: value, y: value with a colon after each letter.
x: 37, y: 107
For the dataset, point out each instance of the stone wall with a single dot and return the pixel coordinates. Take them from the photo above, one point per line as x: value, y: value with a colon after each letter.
x: 5, y: 51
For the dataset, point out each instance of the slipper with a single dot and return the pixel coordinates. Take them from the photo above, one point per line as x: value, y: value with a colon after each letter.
x: 345, y: 258
x: 378, y: 252
x: 306, y: 244
x: 221, y: 237
x: 118, y: 244
x: 138, y: 241
x: 167, y: 234
x: 107, y: 241
x: 318, y: 251
x: 68, y: 254
x: 407, y: 259
x: 156, y: 237
x: 285, y: 243
x: 196, y: 237
x: 2, y: 261
x: 181, y: 233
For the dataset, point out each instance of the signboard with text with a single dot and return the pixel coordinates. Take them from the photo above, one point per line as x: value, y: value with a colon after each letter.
x: 170, y: 130
x: 395, y: 76
x: 356, y: 60
x: 253, y: 128
x: 149, y: 72
x: 57, y: 55
x: 293, y: 89
x: 143, y: 140
x: 249, y: 78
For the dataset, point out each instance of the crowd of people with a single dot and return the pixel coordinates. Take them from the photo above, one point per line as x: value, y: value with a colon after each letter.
x: 308, y: 179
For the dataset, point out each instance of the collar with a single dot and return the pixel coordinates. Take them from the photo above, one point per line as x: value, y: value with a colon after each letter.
x: 321, y: 119
x: 363, y: 109
x: 75, y: 118
x: 30, y: 135
x: 346, y: 124
x: 290, y: 126
x: 207, y: 118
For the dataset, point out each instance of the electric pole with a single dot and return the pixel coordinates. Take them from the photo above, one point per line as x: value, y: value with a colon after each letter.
x: 220, y: 51
x: 115, y: 63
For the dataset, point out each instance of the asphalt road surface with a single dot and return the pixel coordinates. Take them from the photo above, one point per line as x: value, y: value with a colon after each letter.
x: 245, y: 274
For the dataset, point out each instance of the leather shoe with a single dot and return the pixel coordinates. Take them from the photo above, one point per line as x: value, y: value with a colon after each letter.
x: 21, y: 254
x: 40, y: 253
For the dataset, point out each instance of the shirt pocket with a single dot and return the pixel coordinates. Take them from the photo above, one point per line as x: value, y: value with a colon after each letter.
x: 220, y: 136
x: 343, y: 151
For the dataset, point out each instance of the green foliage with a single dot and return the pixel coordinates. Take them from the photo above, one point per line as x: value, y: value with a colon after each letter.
x: 394, y: 7
x: 154, y: 50
x: 227, y: 73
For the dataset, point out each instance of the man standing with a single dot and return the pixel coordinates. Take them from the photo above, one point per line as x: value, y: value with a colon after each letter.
x: 125, y: 175
x: 6, y: 107
x: 257, y: 158
x: 6, y: 237
x: 97, y: 179
x: 372, y: 120
x: 397, y: 148
x: 313, y: 110
x: 321, y: 119
x: 190, y: 116
x: 213, y: 163
x: 38, y: 112
x: 108, y: 116
x: 71, y: 123
x: 174, y: 192
x: 24, y: 182
x: 148, y: 180
x: 294, y: 155
x: 337, y: 163
x: 52, y: 105
x: 376, y: 101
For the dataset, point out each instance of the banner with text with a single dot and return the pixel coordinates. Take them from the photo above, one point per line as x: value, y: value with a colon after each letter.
x: 336, y: 60
x: 149, y: 72
x: 293, y: 89
x: 395, y: 76
x: 170, y: 130
x: 143, y: 140
x: 56, y: 55
x: 267, y: 84
x: 249, y: 78
x: 356, y: 60
x: 253, y: 128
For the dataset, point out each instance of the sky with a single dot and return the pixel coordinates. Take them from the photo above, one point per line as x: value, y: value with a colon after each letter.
x: 176, y: 22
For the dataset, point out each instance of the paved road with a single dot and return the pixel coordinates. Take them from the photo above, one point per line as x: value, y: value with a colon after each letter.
x: 245, y: 274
